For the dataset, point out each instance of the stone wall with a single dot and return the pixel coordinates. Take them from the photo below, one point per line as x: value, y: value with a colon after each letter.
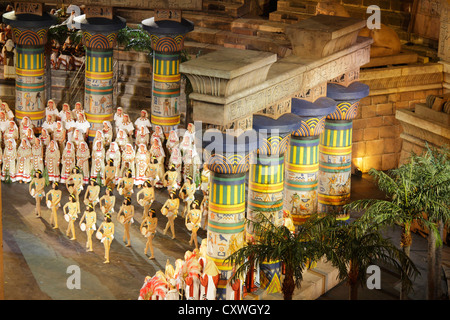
x: 376, y: 132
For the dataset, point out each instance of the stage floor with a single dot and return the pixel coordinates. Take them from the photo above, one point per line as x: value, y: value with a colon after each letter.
x: 38, y: 259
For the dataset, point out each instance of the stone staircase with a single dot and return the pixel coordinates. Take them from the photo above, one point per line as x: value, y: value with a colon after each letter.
x: 66, y: 86
x: 134, y: 87
x: 213, y: 30
x: 7, y: 90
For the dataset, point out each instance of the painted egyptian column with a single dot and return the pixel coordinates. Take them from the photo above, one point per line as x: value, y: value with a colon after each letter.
x: 99, y: 37
x: 29, y: 31
x: 228, y: 163
x: 266, y: 184
x: 302, y: 161
x: 335, y: 150
x: 167, y: 31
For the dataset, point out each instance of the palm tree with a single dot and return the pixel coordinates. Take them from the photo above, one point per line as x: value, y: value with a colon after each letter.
x: 403, y: 205
x: 353, y: 247
x: 295, y: 250
x: 433, y: 189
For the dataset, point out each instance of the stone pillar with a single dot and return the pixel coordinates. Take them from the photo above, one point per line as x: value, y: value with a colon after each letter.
x: 266, y: 175
x: 266, y: 183
x: 30, y: 36
x: 99, y: 37
x: 229, y: 163
x: 167, y: 38
x: 302, y: 162
x: 335, y: 150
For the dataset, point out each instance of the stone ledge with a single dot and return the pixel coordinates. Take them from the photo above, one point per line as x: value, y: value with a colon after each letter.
x: 322, y: 35
x: 315, y: 283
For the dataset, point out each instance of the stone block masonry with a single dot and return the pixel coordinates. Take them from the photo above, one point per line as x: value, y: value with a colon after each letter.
x: 376, y: 132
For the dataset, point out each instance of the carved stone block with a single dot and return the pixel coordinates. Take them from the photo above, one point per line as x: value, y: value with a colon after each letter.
x: 323, y: 35
x: 228, y: 71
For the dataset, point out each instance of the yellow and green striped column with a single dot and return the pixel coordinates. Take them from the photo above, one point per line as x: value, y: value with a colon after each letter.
x: 336, y: 149
x: 30, y: 84
x: 167, y: 41
x: 302, y: 162
x: 229, y: 164
x: 335, y: 166
x: 266, y: 184
x: 99, y: 37
x: 98, y: 85
x: 29, y: 34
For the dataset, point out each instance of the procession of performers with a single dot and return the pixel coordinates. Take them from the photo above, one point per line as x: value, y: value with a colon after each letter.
x: 132, y: 157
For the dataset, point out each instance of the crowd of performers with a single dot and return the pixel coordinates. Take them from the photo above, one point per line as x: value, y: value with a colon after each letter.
x: 124, y: 156
x: 193, y: 278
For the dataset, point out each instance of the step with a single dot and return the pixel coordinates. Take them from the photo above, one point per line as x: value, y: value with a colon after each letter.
x: 297, y: 6
x: 131, y: 55
x: 206, y: 35
x: 288, y: 17
x: 140, y: 88
x: 259, y: 25
x: 135, y: 69
x: 128, y: 100
x: 232, y: 9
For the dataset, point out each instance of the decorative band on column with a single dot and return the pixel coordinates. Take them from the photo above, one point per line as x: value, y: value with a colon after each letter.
x: 302, y: 178
x: 33, y: 115
x: 226, y: 222
x: 335, y: 165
